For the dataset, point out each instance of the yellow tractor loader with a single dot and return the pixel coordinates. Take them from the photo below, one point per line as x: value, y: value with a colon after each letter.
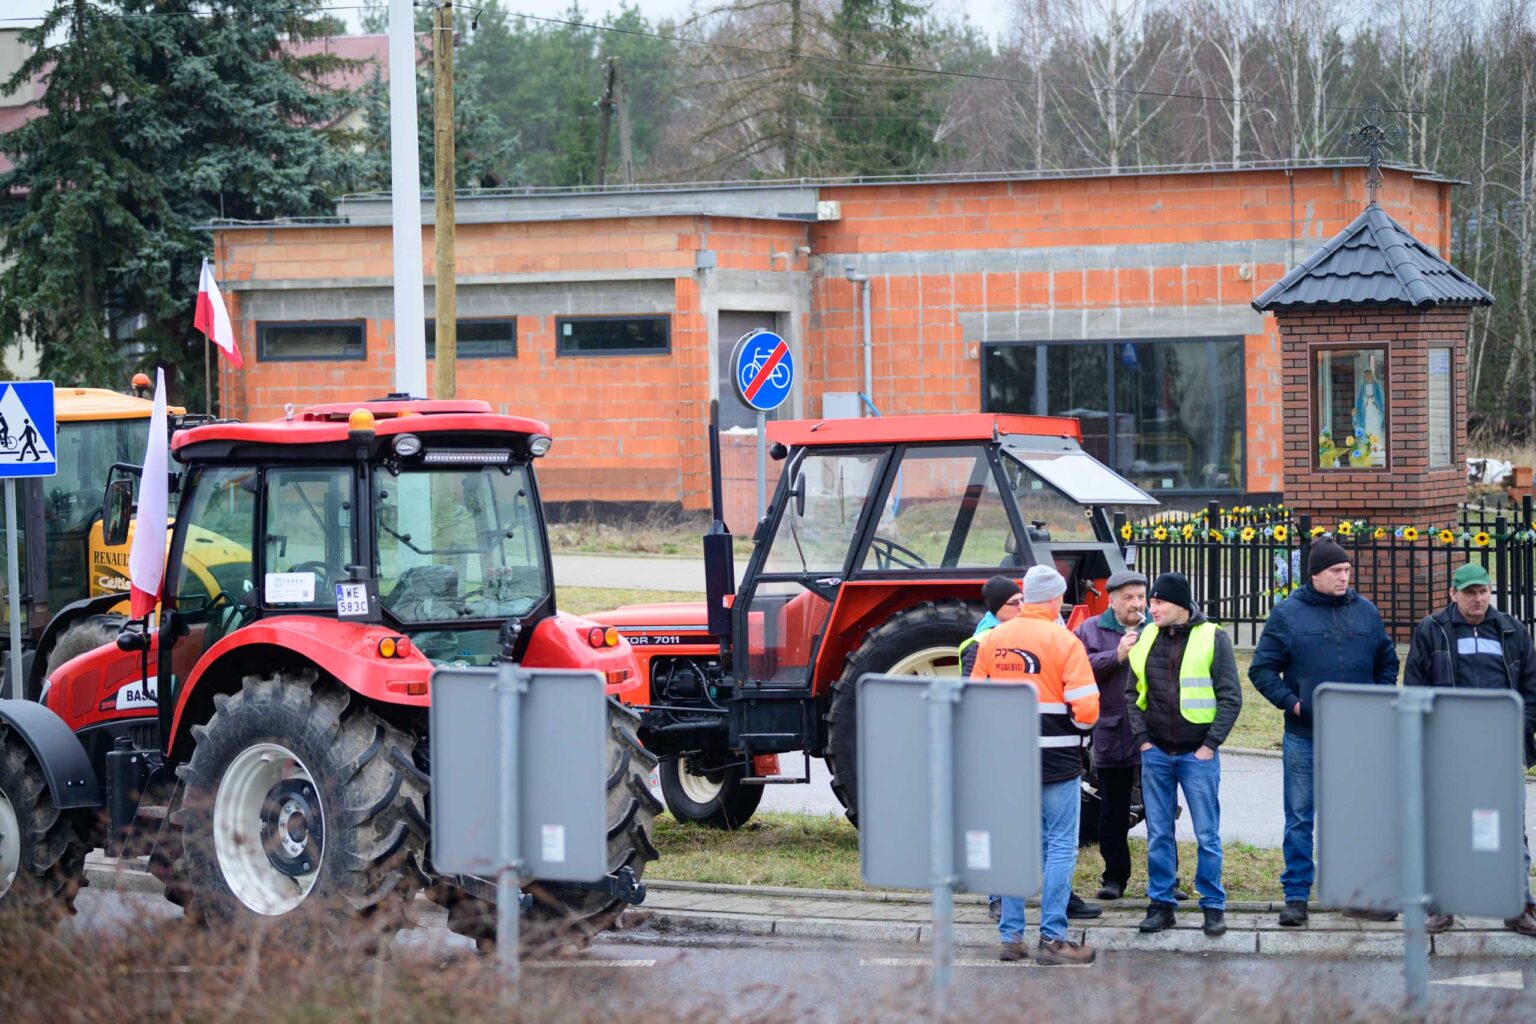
x: 74, y: 586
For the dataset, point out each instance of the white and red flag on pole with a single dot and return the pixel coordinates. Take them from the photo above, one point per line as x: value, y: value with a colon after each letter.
x: 213, y: 319
x: 146, y: 556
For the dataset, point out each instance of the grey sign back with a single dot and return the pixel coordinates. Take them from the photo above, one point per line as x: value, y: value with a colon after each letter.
x: 997, y: 785
x: 1474, y: 798
x: 561, y: 773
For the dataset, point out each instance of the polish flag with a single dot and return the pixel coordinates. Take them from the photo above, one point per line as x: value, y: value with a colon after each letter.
x: 146, y: 557
x: 213, y: 319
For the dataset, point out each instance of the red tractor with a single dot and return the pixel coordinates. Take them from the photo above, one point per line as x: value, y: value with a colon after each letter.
x: 267, y: 746
x: 870, y: 558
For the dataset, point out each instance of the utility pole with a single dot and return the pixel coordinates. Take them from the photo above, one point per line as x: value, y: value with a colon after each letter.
x: 405, y: 202
x: 446, y: 288
x: 605, y: 115
x: 626, y: 150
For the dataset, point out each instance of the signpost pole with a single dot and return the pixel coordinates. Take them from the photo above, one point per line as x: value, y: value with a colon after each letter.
x: 509, y: 686
x: 13, y: 586
x: 762, y: 464
x: 943, y: 695
x: 1413, y: 704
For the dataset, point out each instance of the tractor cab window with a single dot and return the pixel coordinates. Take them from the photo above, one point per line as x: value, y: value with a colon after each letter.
x: 457, y: 545
x: 308, y: 541
x: 85, y: 451
x: 213, y: 580
x: 824, y: 499
x: 943, y: 511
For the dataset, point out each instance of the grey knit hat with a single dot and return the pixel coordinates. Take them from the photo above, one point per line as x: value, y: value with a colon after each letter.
x: 1042, y: 583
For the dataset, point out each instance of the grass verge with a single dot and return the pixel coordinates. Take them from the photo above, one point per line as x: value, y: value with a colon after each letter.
x: 586, y: 600
x: 813, y: 852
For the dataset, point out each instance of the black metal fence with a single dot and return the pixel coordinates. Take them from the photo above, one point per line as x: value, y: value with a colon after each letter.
x: 1241, y: 561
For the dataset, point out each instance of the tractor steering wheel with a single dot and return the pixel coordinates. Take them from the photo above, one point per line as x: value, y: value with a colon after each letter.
x: 322, y: 574
x: 890, y: 554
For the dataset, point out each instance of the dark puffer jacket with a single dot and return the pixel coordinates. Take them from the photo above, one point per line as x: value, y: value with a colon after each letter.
x: 1312, y: 638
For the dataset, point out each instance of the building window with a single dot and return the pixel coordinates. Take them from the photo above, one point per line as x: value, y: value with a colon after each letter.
x: 1349, y: 406
x: 480, y: 339
x: 311, y: 341
x: 1441, y: 411
x: 1166, y: 414
x: 612, y: 335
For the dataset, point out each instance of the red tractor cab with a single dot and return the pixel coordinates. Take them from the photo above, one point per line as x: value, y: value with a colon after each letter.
x: 871, y: 558
x: 276, y: 723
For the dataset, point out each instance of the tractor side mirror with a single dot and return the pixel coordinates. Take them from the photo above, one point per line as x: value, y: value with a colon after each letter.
x: 117, y: 511
x: 798, y: 490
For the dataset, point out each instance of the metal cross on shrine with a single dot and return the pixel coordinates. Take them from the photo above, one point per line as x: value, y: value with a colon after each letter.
x: 1376, y: 139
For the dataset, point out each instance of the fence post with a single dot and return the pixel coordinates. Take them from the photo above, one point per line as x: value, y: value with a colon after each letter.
x: 1304, y: 529
x: 1501, y: 543
x: 1212, y: 560
x: 1527, y: 558
x: 1120, y: 521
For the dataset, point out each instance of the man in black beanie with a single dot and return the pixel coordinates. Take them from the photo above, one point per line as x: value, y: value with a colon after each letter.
x: 1323, y: 633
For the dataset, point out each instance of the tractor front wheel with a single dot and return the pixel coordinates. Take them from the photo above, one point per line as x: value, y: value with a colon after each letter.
x: 42, y: 849
x: 713, y: 797
x: 297, y: 793
x: 921, y: 641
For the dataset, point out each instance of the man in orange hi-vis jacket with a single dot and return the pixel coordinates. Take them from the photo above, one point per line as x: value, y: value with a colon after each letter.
x: 1034, y: 648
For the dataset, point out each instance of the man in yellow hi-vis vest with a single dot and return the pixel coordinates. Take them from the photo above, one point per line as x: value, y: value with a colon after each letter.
x: 1185, y: 701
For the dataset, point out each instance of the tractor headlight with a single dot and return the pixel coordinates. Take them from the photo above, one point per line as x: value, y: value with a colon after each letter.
x: 538, y: 444
x: 407, y: 445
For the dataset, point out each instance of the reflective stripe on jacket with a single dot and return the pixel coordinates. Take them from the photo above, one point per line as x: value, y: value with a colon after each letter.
x: 1033, y: 648
x: 1197, y: 693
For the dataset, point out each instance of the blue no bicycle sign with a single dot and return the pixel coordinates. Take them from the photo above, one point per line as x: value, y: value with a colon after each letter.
x: 27, y: 429
x: 764, y: 370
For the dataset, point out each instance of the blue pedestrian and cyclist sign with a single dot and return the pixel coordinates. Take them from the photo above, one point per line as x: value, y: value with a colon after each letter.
x: 764, y: 370
x: 27, y: 429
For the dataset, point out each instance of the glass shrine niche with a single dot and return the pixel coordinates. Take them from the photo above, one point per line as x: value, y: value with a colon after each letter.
x: 1349, y: 395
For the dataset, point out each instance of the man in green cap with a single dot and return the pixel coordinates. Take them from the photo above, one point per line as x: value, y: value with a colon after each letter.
x: 1470, y: 644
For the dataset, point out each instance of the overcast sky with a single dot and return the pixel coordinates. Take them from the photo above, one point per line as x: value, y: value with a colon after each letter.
x: 989, y: 15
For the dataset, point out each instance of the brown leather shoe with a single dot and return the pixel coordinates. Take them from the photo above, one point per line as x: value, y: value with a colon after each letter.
x: 1012, y: 951
x: 1525, y: 924
x: 1051, y: 954
x: 1437, y: 923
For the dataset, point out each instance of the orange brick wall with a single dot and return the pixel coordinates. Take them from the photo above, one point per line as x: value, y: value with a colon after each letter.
x: 631, y: 428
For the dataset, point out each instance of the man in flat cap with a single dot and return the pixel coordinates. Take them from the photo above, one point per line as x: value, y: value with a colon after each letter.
x: 1109, y: 639
x: 1325, y: 632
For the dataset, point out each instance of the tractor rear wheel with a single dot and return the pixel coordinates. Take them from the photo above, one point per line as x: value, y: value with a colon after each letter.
x: 564, y: 913
x: 298, y: 794
x: 713, y: 798
x: 42, y: 849
x: 920, y: 641
x: 83, y: 635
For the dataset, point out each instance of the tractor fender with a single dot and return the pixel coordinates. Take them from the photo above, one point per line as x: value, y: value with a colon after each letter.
x: 346, y: 651
x: 66, y: 768
x: 67, y: 616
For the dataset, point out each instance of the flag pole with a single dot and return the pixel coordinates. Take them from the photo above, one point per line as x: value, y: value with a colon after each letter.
x: 208, y: 375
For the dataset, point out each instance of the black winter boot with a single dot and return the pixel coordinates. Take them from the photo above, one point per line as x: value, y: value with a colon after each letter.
x: 1159, y: 917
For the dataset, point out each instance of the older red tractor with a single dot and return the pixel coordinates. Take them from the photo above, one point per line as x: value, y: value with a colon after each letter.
x: 267, y: 745
x: 870, y: 559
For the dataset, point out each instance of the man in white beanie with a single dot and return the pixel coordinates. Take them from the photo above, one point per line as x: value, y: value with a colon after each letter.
x: 1034, y: 648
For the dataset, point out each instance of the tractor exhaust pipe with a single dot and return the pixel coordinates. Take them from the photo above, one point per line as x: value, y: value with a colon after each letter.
x: 719, y: 558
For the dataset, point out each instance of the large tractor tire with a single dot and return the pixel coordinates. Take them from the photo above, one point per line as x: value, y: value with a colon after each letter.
x: 298, y: 795
x: 564, y: 914
x: 717, y: 799
x: 920, y: 641
x: 42, y: 849
x: 83, y: 635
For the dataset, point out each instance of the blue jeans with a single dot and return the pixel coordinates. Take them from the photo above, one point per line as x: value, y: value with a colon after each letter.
x: 1059, y: 806
x: 1201, y: 782
x: 1300, y: 869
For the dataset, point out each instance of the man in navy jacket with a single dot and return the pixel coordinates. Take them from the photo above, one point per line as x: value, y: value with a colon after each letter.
x: 1323, y: 633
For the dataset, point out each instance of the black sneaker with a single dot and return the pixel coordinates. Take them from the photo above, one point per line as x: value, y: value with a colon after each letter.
x: 1180, y: 894
x: 1370, y: 915
x: 1110, y: 891
x: 1294, y: 915
x: 1080, y: 910
x: 1159, y: 917
x: 1215, y: 922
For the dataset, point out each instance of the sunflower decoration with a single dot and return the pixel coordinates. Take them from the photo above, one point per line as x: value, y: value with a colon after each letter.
x: 1217, y: 535
x: 1248, y: 534
x: 1481, y: 539
x: 1188, y: 531
x: 1125, y: 531
x: 1346, y: 529
x: 1446, y: 537
x: 1380, y: 533
x: 1161, y: 533
x: 1410, y: 534
x: 1281, y: 533
x: 1317, y: 531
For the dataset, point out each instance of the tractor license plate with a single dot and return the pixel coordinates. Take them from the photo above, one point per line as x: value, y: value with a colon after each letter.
x: 352, y: 599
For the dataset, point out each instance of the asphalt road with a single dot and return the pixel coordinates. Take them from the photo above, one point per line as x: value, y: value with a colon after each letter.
x: 793, y: 980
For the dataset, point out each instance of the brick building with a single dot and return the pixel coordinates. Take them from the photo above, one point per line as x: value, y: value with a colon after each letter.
x: 1124, y: 300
